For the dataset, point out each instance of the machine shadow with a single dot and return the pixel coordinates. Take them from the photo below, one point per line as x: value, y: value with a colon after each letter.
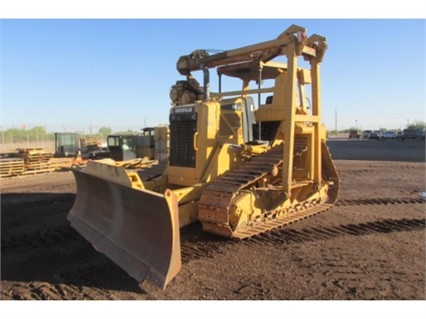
x: 38, y: 244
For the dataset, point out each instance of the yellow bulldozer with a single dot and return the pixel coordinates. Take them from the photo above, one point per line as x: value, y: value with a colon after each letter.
x: 236, y: 168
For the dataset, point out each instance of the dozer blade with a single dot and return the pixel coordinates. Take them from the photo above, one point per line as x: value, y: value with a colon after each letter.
x: 137, y: 229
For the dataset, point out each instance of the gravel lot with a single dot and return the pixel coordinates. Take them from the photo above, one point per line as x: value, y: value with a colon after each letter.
x: 369, y: 246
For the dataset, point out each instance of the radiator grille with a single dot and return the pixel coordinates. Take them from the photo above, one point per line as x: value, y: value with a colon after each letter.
x: 182, y: 129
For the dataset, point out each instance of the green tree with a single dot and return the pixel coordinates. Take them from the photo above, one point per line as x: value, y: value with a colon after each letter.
x: 105, y: 131
x: 34, y: 134
x: 418, y: 125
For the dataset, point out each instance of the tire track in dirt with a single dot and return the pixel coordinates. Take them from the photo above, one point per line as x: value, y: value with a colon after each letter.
x: 59, y: 291
x: 380, y: 201
x: 373, y: 167
x: 201, y: 244
x: 343, y: 274
x: 207, y: 245
x: 41, y: 238
x: 291, y: 236
x: 196, y: 244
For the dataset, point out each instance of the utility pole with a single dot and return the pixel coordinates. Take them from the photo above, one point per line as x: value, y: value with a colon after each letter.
x: 2, y: 139
x: 335, y: 121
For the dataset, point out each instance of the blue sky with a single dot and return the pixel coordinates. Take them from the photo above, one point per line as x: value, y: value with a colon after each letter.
x: 76, y: 74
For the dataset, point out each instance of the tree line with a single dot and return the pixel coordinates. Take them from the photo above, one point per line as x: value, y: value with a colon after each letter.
x: 417, y: 125
x: 37, y: 133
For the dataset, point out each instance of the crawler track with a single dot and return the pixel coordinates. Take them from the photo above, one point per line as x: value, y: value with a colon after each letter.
x: 220, y: 196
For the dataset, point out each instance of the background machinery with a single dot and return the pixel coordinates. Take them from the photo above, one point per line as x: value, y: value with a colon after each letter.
x: 152, y: 143
x: 67, y: 144
x: 78, y: 148
x: 238, y: 169
x: 83, y: 147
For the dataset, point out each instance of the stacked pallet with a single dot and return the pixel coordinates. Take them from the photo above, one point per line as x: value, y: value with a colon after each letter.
x: 36, y: 160
x: 91, y: 140
x: 26, y: 161
x: 57, y: 164
x: 11, y: 166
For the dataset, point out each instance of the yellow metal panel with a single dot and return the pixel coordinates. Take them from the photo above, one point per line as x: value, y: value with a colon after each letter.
x: 290, y: 100
x: 304, y: 76
x: 187, y: 214
x: 223, y: 159
x: 316, y: 111
x: 306, y: 118
x: 205, y: 137
x: 181, y: 176
x: 268, y: 113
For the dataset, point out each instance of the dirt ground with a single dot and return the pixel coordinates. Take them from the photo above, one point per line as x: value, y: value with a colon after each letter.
x: 369, y: 246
